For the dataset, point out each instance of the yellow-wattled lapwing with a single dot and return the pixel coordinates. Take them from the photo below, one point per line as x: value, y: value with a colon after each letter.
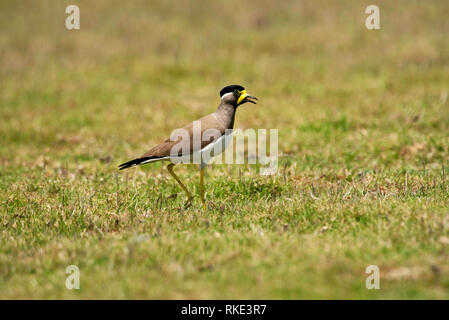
x: 206, y: 135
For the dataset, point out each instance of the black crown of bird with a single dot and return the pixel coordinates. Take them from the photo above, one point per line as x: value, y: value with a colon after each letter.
x: 222, y: 120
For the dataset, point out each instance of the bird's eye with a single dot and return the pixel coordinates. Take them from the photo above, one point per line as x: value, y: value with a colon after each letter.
x: 236, y: 92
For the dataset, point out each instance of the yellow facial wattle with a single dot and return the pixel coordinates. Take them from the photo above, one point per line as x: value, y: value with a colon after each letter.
x: 242, y: 97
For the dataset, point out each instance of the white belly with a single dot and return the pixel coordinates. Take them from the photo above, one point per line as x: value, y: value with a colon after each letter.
x: 204, y: 155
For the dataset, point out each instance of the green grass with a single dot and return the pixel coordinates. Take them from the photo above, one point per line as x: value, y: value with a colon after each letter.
x: 363, y: 120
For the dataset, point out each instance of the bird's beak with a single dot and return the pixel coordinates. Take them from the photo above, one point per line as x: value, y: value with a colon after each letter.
x: 244, y: 97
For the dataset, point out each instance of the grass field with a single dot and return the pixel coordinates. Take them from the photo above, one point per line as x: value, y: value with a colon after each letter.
x: 363, y: 119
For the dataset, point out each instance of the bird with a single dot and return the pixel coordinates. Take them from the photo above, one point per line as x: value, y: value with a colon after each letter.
x: 208, y: 135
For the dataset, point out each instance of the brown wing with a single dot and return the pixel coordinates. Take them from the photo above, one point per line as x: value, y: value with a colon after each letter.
x: 209, y: 127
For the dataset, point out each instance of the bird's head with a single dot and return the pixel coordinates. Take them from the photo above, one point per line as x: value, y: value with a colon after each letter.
x: 236, y: 95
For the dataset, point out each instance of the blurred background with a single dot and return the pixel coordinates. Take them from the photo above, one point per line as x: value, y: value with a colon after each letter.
x: 136, y: 70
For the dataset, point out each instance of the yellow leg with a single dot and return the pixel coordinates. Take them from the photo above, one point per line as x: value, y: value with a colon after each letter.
x: 189, y: 196
x: 202, y: 187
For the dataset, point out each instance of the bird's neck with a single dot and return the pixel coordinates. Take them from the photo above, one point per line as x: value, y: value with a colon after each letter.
x: 226, y: 113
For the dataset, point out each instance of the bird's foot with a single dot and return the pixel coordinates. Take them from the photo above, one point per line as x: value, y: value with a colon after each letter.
x: 188, y: 203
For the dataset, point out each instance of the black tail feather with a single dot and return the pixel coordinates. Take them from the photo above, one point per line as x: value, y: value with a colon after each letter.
x: 135, y: 162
